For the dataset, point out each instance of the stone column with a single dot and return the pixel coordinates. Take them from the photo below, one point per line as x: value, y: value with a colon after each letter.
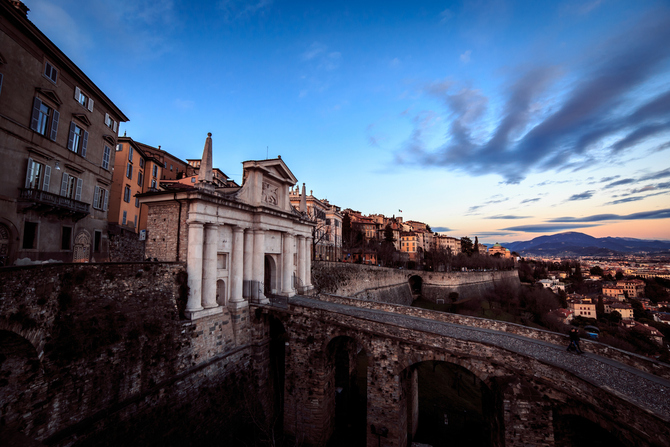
x: 209, y: 266
x: 237, y: 268
x: 287, y: 265
x: 301, y: 261
x: 257, y: 286
x: 194, y: 267
x: 248, y: 271
x: 308, y: 263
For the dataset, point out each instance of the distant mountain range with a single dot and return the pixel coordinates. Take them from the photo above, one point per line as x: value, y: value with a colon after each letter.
x: 579, y: 244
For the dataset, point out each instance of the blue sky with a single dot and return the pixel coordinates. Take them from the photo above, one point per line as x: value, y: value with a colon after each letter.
x: 498, y: 119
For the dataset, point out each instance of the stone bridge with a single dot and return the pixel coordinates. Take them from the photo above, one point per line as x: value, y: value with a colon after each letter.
x: 346, y: 356
x: 102, y: 355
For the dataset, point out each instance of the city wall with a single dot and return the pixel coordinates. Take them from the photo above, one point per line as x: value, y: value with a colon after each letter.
x: 98, y: 354
x: 388, y: 285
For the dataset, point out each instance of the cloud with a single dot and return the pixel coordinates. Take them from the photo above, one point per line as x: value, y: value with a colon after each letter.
x: 626, y: 181
x: 581, y: 196
x: 326, y: 60
x: 508, y: 216
x: 442, y: 230
x: 547, y: 228
x: 626, y: 200
x: 657, y: 175
x: 395, y: 62
x: 609, y: 179
x: 445, y: 16
x: 600, y: 115
x: 644, y: 215
x: 56, y: 22
x: 536, y: 199
x: 465, y: 57
x: 243, y: 9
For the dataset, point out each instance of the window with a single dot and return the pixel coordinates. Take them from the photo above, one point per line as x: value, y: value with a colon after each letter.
x: 66, y: 238
x: 97, y: 239
x: 137, y: 202
x: 77, y: 140
x: 135, y: 223
x: 50, y: 72
x: 140, y: 176
x: 1, y: 86
x: 141, y: 162
x: 44, y: 119
x: 105, y: 157
x: 119, y: 147
x: 130, y: 154
x: 109, y: 122
x: 126, y: 195
x: 125, y: 218
x: 82, y: 99
x: 70, y: 187
x: 38, y: 175
x: 129, y: 171
x: 153, y: 184
x: 100, y: 198
x: 155, y: 171
x: 29, y: 235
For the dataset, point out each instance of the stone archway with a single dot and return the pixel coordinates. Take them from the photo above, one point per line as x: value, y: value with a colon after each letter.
x: 4, y: 244
x: 82, y: 247
x: 446, y: 405
x: 20, y: 370
x: 270, y: 278
x: 348, y: 363
x: 416, y: 286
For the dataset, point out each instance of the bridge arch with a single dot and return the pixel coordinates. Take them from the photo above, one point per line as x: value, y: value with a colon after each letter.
x: 20, y: 369
x: 416, y: 285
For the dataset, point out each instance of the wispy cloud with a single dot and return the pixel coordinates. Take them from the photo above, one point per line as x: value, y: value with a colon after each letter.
x: 599, y: 117
x: 535, y: 199
x: 507, y: 216
x: 242, y: 9
x: 653, y: 214
x: 581, y: 196
x: 626, y: 181
x: 466, y: 57
x: 548, y: 228
x: 445, y: 16
x: 327, y: 60
x: 442, y: 229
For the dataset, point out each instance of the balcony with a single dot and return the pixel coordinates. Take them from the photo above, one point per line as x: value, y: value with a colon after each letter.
x: 46, y: 203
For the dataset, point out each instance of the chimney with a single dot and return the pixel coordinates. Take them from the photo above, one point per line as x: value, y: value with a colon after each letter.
x: 18, y: 4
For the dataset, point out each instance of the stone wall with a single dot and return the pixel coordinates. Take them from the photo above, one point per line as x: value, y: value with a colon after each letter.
x: 392, y: 285
x: 97, y: 354
x: 167, y: 236
x: 125, y: 245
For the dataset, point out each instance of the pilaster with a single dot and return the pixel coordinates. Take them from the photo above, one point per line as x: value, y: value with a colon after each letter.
x: 237, y: 269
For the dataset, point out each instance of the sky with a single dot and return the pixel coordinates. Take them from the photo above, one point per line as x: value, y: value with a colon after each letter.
x: 504, y: 120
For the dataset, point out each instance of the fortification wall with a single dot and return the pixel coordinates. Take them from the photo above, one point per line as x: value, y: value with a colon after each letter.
x: 97, y: 354
x: 388, y: 285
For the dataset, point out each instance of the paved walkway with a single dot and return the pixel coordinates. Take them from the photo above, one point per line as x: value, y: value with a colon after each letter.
x: 644, y: 390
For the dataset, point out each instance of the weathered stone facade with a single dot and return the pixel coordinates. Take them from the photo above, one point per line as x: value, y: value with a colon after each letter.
x: 98, y: 354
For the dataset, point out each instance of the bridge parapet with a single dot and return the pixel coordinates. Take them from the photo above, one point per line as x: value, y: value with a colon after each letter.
x: 636, y: 361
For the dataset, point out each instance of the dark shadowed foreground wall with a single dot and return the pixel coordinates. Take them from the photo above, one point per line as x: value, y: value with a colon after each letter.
x: 98, y: 354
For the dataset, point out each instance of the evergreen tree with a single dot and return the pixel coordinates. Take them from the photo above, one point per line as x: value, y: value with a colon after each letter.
x: 475, y: 247
x: 466, y: 245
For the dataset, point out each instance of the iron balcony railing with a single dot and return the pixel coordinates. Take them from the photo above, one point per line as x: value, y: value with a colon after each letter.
x: 54, y: 200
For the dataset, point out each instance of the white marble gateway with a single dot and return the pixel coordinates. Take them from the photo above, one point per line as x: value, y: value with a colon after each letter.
x: 240, y: 243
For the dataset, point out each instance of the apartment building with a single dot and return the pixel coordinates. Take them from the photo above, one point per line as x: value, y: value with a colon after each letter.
x: 57, y: 134
x: 135, y: 172
x: 328, y: 231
